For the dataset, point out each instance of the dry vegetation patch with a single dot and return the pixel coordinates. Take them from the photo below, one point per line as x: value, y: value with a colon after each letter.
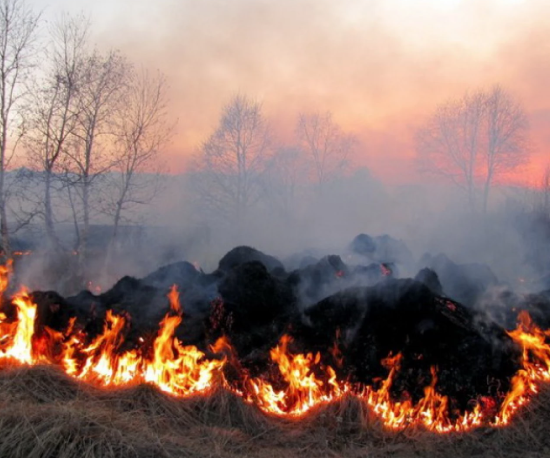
x: 44, y: 413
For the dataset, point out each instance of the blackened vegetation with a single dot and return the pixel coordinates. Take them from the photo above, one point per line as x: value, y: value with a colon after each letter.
x: 473, y: 357
x: 355, y: 316
x: 256, y: 308
x: 465, y: 283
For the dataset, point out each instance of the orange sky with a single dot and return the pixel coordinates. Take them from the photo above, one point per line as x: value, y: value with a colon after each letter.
x: 379, y: 65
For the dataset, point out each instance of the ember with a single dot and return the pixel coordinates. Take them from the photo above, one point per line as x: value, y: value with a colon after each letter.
x: 287, y: 343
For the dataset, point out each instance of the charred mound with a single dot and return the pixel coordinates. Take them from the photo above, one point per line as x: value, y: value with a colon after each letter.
x: 465, y: 283
x: 473, y: 356
x: 354, y: 316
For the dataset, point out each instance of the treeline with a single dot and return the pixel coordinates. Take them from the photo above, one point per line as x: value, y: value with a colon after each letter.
x: 85, y: 122
x: 90, y: 127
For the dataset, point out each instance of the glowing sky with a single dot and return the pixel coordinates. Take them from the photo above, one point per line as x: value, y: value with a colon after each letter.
x: 379, y: 65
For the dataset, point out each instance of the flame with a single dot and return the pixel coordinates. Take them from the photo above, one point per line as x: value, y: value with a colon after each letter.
x: 294, y: 384
x: 16, y: 342
x: 174, y: 368
x: 5, y: 273
x: 432, y: 411
x: 536, y: 366
x: 305, y: 389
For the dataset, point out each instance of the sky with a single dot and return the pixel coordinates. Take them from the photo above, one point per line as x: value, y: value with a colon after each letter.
x: 380, y: 66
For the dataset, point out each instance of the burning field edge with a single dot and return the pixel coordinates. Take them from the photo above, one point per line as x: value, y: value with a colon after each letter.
x: 96, y: 387
x: 45, y: 413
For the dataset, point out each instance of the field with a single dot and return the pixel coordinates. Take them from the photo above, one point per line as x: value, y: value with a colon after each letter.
x: 46, y: 414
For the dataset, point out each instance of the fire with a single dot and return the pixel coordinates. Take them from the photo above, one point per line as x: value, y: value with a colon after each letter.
x: 536, y: 366
x: 174, y: 368
x: 16, y: 340
x: 432, y: 411
x: 305, y: 389
x: 5, y: 273
x: 295, y: 383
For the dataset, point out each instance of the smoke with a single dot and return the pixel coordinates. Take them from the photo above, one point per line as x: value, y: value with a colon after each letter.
x: 379, y: 66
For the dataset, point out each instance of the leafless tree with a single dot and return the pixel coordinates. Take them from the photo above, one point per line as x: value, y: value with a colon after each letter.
x: 327, y: 145
x: 286, y: 170
x: 505, y: 129
x: 232, y: 161
x: 540, y: 196
x: 143, y: 129
x: 89, y: 157
x: 54, y: 111
x: 18, y: 26
x: 474, y: 139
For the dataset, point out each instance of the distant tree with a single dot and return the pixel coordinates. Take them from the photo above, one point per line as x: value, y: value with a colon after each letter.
x: 474, y: 140
x: 52, y: 116
x: 90, y: 156
x: 18, y: 26
x: 142, y: 130
x: 284, y: 179
x: 506, y: 148
x: 327, y: 145
x: 232, y: 161
x: 542, y: 194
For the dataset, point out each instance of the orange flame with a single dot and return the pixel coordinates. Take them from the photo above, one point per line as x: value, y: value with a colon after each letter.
x: 17, y: 336
x: 5, y: 273
x: 174, y: 368
x: 305, y: 390
x: 536, y: 366
x: 304, y: 381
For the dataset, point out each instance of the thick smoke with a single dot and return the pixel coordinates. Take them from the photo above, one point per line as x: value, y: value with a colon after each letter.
x: 379, y: 66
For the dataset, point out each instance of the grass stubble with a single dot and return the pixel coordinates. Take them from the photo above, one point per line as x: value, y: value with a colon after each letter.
x: 46, y: 414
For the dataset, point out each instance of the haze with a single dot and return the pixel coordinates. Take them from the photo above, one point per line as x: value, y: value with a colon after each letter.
x: 379, y: 66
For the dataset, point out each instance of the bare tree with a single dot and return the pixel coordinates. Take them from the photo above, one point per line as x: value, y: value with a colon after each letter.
x: 53, y: 113
x: 540, y: 198
x: 18, y: 25
x: 232, y: 161
x: 327, y: 145
x: 505, y: 130
x: 473, y: 140
x: 90, y: 156
x: 286, y: 170
x: 143, y: 129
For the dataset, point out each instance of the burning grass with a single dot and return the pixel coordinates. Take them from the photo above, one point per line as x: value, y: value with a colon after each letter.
x: 44, y: 413
x: 70, y: 393
x: 307, y: 384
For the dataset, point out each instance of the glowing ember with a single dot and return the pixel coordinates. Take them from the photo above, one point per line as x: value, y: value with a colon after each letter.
x: 297, y: 384
x: 22, y: 253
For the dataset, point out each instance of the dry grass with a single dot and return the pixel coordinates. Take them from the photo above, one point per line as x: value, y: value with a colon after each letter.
x: 43, y: 414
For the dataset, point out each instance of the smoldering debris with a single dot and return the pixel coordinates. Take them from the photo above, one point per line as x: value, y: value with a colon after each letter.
x: 354, y: 316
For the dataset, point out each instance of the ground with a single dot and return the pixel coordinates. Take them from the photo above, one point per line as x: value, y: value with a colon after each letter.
x: 45, y: 414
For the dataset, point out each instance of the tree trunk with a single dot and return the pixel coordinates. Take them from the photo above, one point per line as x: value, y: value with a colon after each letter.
x: 114, y: 235
x: 53, y: 241
x: 4, y: 228
x: 471, y: 197
x: 84, y: 232
x: 486, y: 190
